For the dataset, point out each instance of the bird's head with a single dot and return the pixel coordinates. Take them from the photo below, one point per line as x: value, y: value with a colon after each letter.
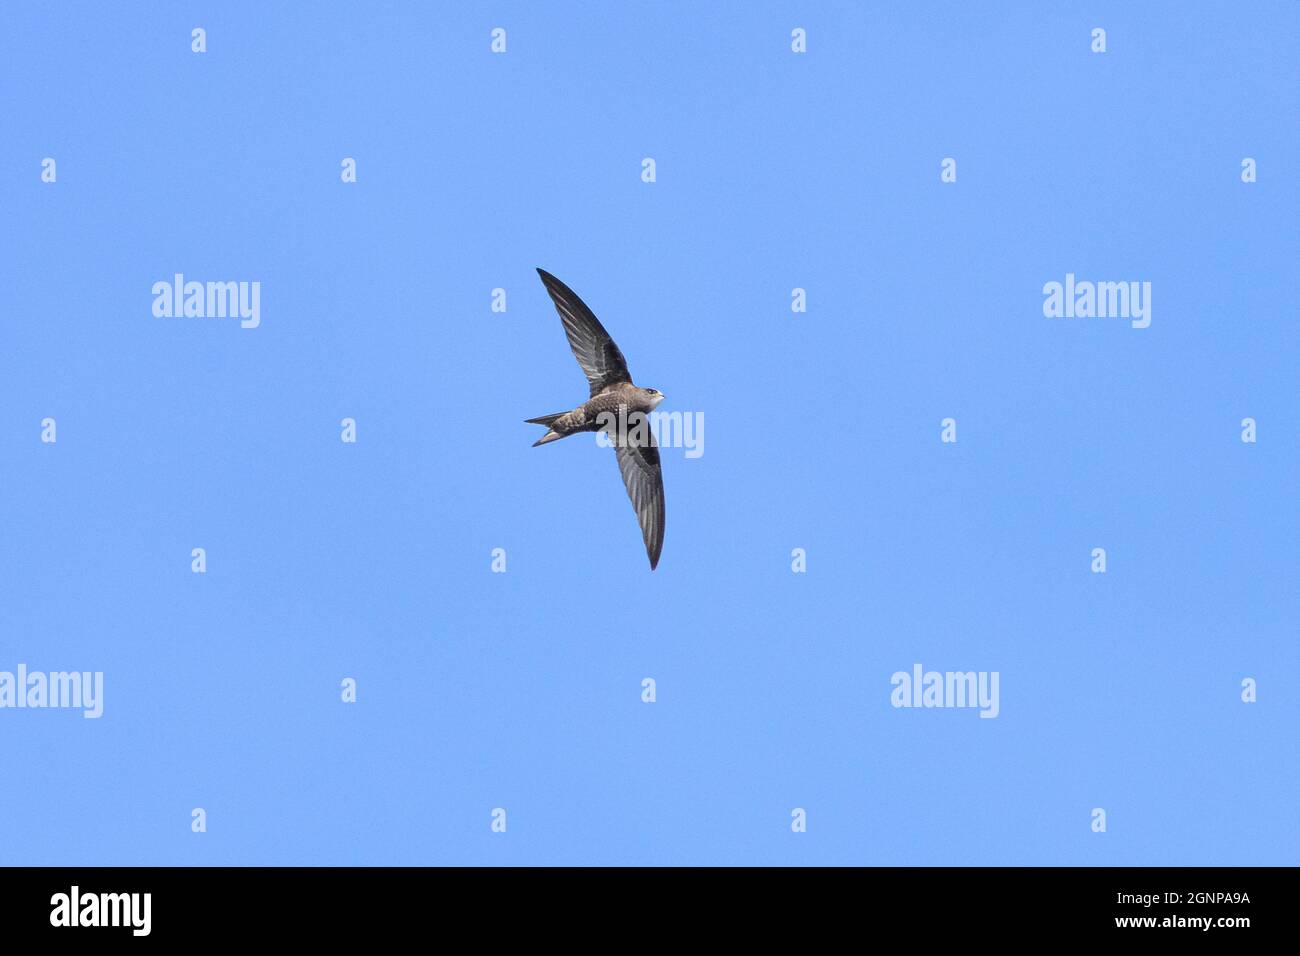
x: 654, y: 396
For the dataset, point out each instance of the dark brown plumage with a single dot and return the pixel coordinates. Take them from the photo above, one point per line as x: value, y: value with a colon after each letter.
x: 614, y: 398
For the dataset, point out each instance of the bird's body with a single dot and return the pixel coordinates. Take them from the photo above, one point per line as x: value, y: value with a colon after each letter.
x: 616, y: 406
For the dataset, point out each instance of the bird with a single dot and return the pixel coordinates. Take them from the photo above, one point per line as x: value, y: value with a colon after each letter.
x: 614, y: 403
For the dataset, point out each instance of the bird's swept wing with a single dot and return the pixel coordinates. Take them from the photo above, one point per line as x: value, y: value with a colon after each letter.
x: 639, y: 464
x: 595, y: 351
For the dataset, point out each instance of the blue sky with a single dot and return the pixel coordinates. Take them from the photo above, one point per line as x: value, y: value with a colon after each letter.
x: 522, y: 690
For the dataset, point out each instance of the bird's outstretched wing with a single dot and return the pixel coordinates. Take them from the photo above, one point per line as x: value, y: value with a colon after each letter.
x: 639, y: 464
x: 595, y: 351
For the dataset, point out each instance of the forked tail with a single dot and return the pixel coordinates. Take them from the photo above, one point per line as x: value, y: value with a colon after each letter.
x: 547, y: 420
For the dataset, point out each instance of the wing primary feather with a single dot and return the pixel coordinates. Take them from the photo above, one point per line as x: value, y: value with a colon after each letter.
x: 600, y: 357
